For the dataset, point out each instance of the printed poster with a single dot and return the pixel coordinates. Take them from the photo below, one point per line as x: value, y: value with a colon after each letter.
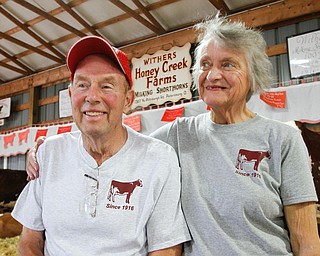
x: 5, y: 105
x: 162, y: 77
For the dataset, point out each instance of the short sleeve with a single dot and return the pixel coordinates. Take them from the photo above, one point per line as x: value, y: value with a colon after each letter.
x: 166, y: 226
x: 297, y: 183
x: 28, y: 210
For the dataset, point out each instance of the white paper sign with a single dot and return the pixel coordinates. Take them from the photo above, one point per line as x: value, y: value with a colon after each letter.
x: 304, y: 54
x: 5, y: 105
x: 64, y: 104
x: 161, y: 77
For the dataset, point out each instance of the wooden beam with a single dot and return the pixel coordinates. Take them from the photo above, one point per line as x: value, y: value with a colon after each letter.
x: 278, y: 12
x: 253, y: 6
x: 33, y: 114
x: 15, y: 87
x: 136, y: 16
x: 53, y: 76
x: 14, y: 60
x: 148, y: 15
x: 221, y: 6
x: 99, y: 25
x: 179, y: 38
x: 277, y: 49
x: 53, y: 19
x: 69, y: 10
x: 13, y: 68
x: 38, y: 19
x: 31, y: 33
x: 30, y: 47
x: 49, y: 100
x: 21, y: 107
x: 291, y: 21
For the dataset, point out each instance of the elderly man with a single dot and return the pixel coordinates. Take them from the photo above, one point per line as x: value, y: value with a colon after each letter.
x: 104, y: 190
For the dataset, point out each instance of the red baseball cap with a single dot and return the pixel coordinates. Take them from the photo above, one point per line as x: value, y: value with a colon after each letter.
x: 97, y: 45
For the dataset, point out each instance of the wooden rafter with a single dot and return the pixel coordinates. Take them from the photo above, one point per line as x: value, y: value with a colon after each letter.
x: 13, y: 68
x: 264, y: 14
x: 31, y: 33
x: 99, y: 25
x: 53, y: 19
x: 136, y: 16
x: 291, y: 21
x: 69, y: 10
x: 148, y: 15
x: 39, y: 19
x: 17, y: 62
x: 252, y: 6
x: 30, y: 47
x: 279, y: 13
x: 221, y: 6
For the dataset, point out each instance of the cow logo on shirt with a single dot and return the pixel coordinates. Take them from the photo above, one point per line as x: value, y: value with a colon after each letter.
x: 118, y: 190
x: 248, y: 161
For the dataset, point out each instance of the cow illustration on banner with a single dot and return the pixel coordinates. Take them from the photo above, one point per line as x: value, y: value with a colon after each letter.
x: 162, y: 77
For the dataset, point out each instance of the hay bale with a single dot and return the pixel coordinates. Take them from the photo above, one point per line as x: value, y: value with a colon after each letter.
x: 8, y: 246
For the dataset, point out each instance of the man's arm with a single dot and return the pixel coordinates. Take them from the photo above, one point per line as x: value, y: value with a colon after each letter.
x: 302, y: 223
x: 31, y: 242
x: 172, y: 251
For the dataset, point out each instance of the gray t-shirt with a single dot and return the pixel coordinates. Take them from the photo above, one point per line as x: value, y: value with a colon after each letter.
x: 137, y: 199
x: 235, y: 181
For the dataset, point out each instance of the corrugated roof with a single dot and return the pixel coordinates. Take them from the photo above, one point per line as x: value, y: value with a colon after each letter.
x: 36, y: 34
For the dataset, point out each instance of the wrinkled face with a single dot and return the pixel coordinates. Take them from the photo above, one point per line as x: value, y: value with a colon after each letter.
x: 223, y: 77
x: 98, y: 96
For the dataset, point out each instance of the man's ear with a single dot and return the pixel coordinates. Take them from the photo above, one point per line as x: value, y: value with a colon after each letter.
x: 69, y: 90
x: 128, y: 101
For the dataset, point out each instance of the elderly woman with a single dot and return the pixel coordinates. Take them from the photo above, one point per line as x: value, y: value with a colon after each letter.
x: 247, y: 187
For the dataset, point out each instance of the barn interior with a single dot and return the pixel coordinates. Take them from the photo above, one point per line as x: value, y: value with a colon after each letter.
x: 36, y: 35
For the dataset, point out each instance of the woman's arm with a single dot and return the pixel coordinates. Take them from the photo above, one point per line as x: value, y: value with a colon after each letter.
x: 302, y: 223
x: 32, y: 167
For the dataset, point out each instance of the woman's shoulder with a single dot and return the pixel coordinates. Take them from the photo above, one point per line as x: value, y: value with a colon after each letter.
x: 285, y: 128
x: 180, y: 124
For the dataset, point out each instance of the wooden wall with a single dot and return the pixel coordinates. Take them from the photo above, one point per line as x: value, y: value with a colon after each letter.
x: 281, y: 14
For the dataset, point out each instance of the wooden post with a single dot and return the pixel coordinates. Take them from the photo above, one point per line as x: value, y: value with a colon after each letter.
x: 33, y: 116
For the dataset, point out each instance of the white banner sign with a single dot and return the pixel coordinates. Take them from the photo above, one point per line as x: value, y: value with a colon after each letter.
x: 18, y: 142
x: 161, y: 77
x: 302, y: 103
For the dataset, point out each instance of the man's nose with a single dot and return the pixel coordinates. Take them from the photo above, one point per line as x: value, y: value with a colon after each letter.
x: 93, y: 94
